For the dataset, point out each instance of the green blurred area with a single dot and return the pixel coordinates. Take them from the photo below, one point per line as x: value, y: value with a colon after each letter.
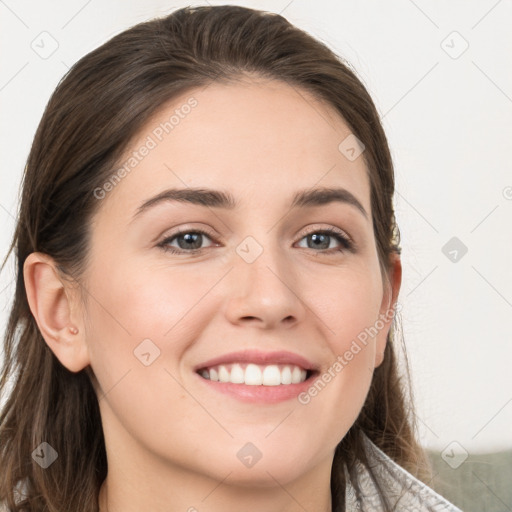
x: 482, y: 483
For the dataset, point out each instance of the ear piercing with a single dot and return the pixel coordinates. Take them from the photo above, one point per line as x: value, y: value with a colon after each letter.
x: 73, y: 330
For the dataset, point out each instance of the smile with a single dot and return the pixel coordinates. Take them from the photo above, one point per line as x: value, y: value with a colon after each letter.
x: 255, y: 375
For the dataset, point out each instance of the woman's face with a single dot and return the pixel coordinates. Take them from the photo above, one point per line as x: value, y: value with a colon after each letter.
x: 264, y: 291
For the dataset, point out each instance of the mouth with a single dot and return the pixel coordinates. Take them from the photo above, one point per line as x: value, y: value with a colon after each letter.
x: 251, y: 374
x: 258, y: 377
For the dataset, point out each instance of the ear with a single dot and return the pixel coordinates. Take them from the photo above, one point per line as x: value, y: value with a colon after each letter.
x: 389, y: 305
x: 53, y: 302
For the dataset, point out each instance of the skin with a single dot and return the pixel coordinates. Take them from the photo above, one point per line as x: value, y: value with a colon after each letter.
x: 170, y: 439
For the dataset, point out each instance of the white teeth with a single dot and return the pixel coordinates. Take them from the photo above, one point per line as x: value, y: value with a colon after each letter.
x: 271, y: 376
x: 296, y: 375
x: 253, y: 376
x: 223, y: 374
x: 286, y: 375
x: 256, y: 375
x: 237, y: 374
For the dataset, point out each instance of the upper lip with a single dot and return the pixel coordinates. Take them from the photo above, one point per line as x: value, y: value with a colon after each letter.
x: 259, y: 357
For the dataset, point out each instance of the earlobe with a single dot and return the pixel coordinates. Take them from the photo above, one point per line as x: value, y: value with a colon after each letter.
x: 379, y: 357
x: 52, y: 302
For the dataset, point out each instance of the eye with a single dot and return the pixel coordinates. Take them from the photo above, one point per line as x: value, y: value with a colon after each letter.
x: 188, y: 241
x: 321, y: 239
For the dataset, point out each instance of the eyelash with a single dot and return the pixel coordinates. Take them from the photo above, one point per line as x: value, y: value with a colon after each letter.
x: 342, y: 238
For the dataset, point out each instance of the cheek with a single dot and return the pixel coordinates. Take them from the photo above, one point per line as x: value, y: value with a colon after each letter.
x: 349, y: 310
x: 348, y: 304
x: 133, y: 301
x: 139, y: 323
x: 141, y: 320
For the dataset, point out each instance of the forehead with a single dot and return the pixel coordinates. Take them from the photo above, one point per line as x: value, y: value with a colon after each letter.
x: 257, y: 138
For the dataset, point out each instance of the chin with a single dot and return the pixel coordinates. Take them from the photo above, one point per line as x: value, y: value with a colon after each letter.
x: 249, y: 467
x: 264, y: 476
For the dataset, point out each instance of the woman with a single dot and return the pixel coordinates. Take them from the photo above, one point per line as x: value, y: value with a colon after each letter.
x: 208, y: 273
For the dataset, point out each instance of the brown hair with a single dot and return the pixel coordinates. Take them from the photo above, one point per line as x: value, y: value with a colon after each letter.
x: 95, y: 111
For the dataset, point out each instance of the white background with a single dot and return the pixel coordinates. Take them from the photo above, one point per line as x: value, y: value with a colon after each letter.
x: 448, y: 121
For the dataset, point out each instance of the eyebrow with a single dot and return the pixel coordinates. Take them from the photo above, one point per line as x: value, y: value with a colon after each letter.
x: 220, y: 199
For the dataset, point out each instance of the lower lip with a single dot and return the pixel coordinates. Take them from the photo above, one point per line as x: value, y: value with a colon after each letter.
x: 260, y: 394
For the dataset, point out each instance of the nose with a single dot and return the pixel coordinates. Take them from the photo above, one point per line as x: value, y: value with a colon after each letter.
x: 264, y: 292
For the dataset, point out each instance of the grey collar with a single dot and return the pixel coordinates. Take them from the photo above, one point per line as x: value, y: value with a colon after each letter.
x: 389, y: 487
